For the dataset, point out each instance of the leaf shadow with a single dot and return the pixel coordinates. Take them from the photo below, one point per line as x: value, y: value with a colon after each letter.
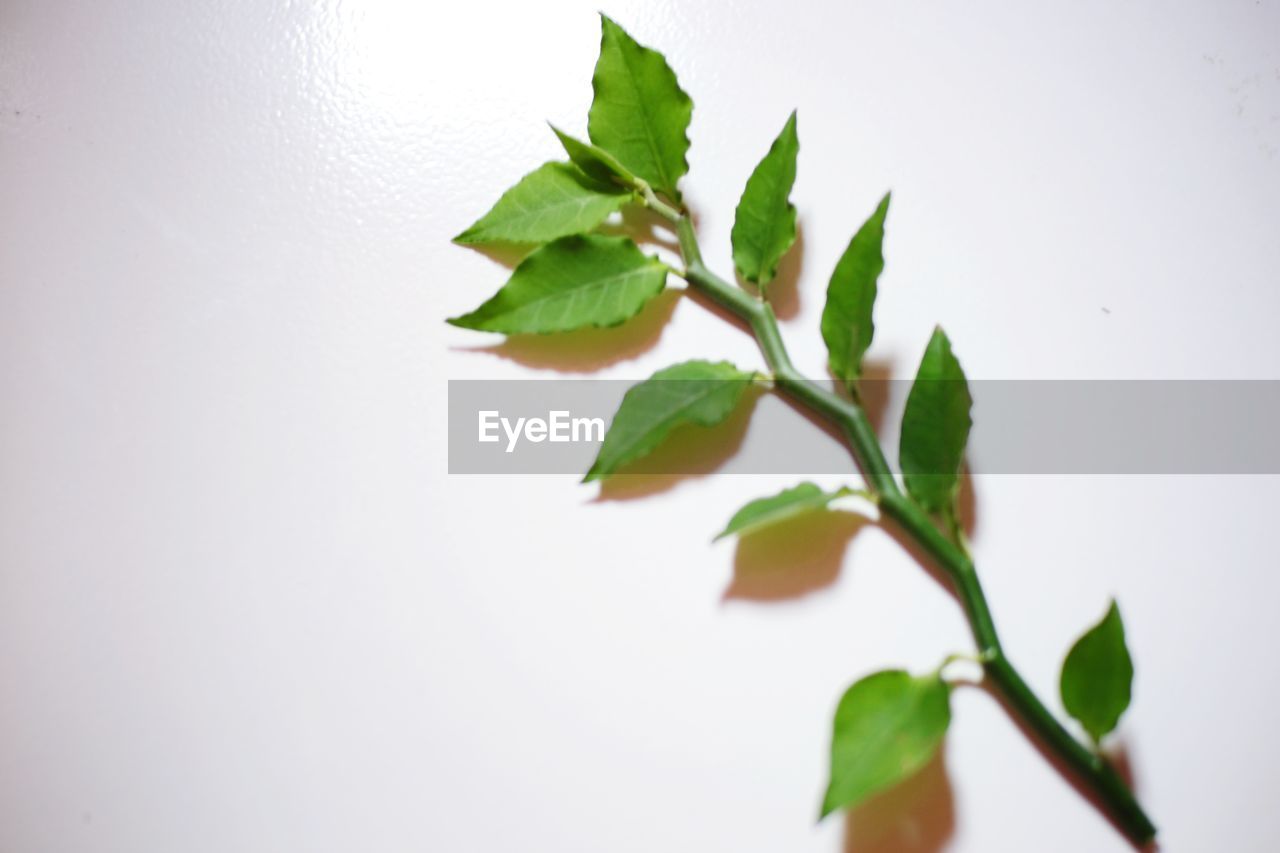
x: 783, y: 293
x: 967, y: 503
x: 1117, y: 754
x: 508, y: 255
x: 689, y: 451
x: 874, y: 388
x: 916, y: 816
x: 784, y: 290
x: 643, y: 226
x: 591, y: 349
x: 790, y: 560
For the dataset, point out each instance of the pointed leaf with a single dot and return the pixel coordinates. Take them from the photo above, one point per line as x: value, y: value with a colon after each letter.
x: 764, y: 226
x: 846, y: 319
x: 554, y: 200
x: 694, y: 392
x: 935, y: 427
x: 887, y: 727
x: 788, y: 503
x: 1097, y: 676
x: 584, y: 280
x: 595, y: 162
x: 639, y: 114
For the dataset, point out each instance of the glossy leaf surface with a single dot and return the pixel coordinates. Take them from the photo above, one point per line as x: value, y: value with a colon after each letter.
x: 554, y: 200
x: 571, y: 283
x: 847, y: 326
x: 887, y: 726
x: 935, y: 427
x: 761, y: 512
x: 703, y: 393
x: 1097, y: 676
x: 764, y: 226
x: 639, y: 114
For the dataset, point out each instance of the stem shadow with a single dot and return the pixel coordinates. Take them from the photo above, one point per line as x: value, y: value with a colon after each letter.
x: 1117, y: 756
x: 906, y: 543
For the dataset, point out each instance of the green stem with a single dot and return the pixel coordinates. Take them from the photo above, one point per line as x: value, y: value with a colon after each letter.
x: 1094, y: 774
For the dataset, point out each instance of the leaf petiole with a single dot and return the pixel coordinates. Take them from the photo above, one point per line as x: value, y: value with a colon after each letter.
x: 657, y: 205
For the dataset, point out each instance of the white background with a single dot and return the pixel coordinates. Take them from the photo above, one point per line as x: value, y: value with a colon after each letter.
x: 243, y: 606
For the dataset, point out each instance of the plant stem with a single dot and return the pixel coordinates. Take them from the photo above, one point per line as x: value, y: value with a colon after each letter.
x: 1094, y: 774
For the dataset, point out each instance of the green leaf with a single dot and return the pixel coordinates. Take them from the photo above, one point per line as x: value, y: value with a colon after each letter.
x: 788, y: 503
x: 639, y: 113
x: 595, y: 162
x: 764, y: 226
x: 887, y: 727
x: 1097, y: 676
x: 935, y: 427
x: 694, y: 392
x: 846, y: 318
x: 554, y: 200
x: 573, y: 282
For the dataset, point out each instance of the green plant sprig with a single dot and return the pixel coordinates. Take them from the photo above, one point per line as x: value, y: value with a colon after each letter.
x: 888, y: 724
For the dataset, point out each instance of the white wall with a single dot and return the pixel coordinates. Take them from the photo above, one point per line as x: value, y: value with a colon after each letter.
x: 243, y: 607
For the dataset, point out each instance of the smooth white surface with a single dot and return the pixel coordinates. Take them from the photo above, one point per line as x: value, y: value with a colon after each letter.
x: 243, y: 606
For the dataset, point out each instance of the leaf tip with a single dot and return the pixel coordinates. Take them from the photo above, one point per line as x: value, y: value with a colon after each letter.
x: 828, y: 806
x: 565, y: 139
x: 608, y: 24
x: 472, y: 322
